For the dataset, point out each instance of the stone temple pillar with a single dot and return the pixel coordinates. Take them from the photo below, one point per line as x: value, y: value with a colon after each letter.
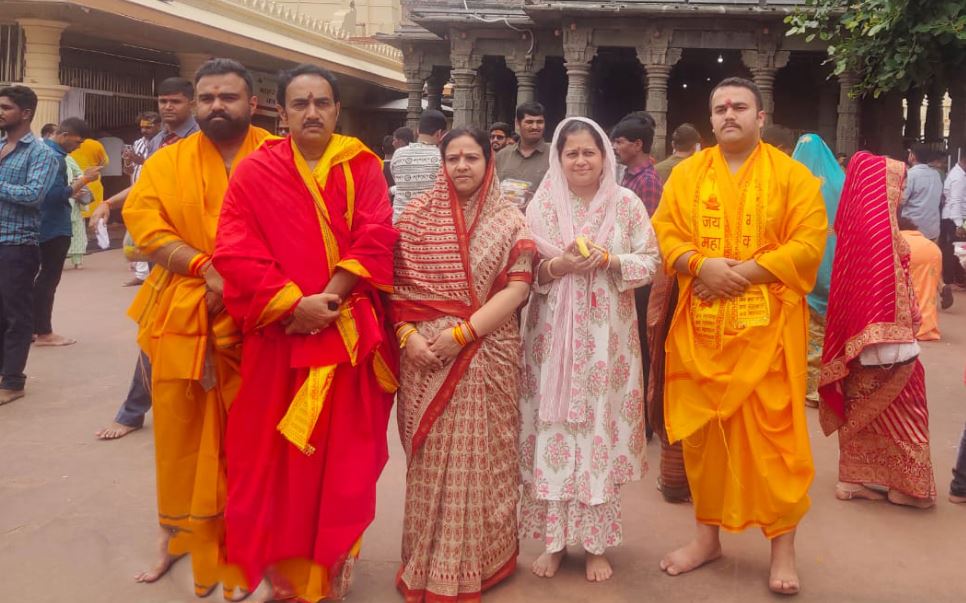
x: 933, y: 128
x: 658, y: 63
x: 524, y: 67
x: 414, y: 91
x: 847, y: 130
x: 578, y: 53
x: 42, y: 68
x: 434, y: 93
x: 764, y: 64
x: 464, y: 93
x: 913, y: 129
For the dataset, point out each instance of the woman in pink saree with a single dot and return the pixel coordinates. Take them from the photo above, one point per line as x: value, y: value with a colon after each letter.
x: 873, y: 386
x: 463, y: 268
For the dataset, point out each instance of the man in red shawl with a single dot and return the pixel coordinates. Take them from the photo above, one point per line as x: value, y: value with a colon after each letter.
x: 305, y: 247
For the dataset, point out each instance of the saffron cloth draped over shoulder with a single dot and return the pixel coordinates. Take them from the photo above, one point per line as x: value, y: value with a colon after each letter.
x: 194, y: 355
x: 736, y: 368
x: 307, y: 434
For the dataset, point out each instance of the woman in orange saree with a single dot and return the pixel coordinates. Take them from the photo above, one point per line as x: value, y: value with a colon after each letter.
x: 873, y: 386
x: 463, y: 268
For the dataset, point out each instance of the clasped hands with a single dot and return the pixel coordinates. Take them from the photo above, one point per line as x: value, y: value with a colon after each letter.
x: 572, y: 262
x: 312, y: 314
x: 432, y: 354
x: 720, y: 278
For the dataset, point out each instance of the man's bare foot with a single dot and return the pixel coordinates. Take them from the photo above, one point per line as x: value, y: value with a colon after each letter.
x: 547, y: 564
x: 847, y: 491
x: 783, y: 577
x: 134, y: 282
x: 899, y: 498
x: 598, y: 568
x: 164, y: 562
x: 9, y: 395
x: 705, y: 548
x: 53, y: 339
x: 957, y: 500
x: 114, y: 431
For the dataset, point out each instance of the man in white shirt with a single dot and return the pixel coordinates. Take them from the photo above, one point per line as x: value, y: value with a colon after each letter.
x: 953, y: 218
x: 414, y: 167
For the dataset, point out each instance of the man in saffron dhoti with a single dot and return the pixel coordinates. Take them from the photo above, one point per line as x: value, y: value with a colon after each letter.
x: 305, y: 244
x: 191, y: 342
x: 743, y: 226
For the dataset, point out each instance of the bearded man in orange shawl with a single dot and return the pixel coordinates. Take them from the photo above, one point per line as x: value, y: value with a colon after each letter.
x: 192, y: 343
x: 743, y: 227
x: 305, y: 244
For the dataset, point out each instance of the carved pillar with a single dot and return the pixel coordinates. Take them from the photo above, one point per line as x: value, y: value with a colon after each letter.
x: 764, y: 63
x: 189, y: 62
x: 933, y: 129
x: 42, y: 68
x: 658, y: 60
x: 524, y: 67
x: 578, y: 52
x: 847, y: 130
x: 465, y: 61
x: 913, y: 129
x: 416, y: 72
x: 957, y: 118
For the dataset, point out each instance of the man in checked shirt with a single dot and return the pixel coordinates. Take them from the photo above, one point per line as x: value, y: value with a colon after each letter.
x: 27, y: 170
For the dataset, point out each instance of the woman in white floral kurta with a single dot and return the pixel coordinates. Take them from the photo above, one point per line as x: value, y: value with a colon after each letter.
x: 582, y: 402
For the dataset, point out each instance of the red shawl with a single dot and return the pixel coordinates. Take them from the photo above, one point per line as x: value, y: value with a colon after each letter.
x: 871, y: 299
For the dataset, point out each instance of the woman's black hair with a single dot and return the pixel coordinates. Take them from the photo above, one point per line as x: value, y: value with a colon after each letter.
x: 575, y: 126
x: 481, y: 138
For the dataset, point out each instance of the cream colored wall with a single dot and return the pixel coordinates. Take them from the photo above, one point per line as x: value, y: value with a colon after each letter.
x: 372, y: 16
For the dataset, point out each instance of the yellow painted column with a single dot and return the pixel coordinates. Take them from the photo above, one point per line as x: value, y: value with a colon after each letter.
x: 42, y: 68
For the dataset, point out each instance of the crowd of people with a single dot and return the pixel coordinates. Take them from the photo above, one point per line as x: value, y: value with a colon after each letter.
x: 535, y: 310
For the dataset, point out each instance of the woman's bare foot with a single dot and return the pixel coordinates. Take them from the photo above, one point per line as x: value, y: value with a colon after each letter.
x: 547, y: 564
x: 847, y: 491
x: 899, y: 498
x: 783, y: 577
x: 114, y: 431
x: 598, y: 568
x: 164, y: 562
x: 705, y: 548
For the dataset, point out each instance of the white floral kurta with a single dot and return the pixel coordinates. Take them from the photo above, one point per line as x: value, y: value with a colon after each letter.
x: 572, y: 472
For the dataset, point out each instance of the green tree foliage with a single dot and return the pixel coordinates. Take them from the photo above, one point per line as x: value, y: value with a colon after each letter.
x: 888, y: 44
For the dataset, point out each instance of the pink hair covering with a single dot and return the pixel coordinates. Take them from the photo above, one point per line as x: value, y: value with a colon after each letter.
x: 556, y: 389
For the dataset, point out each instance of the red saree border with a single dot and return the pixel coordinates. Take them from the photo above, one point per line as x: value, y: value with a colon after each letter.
x: 423, y: 596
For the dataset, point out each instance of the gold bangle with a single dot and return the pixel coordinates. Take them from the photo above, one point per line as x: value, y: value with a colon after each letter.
x: 176, y: 249
x: 404, y: 338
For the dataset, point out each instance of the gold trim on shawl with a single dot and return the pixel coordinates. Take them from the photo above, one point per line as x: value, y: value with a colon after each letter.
x: 280, y: 304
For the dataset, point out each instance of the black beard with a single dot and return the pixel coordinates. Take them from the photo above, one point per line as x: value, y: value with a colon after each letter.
x: 225, y: 129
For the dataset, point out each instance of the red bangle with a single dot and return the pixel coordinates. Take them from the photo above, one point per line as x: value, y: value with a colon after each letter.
x: 198, y: 263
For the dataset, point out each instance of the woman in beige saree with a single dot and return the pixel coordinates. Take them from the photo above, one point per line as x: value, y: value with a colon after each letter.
x: 463, y: 268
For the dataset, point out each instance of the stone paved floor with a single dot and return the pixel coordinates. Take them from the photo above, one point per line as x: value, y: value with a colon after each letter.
x: 77, y: 515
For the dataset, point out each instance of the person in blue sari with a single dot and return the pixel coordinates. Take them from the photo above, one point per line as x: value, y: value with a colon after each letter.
x: 812, y: 151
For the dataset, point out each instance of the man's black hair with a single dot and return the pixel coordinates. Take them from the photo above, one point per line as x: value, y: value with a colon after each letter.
x: 431, y: 121
x: 635, y: 128
x: 225, y: 67
x: 285, y: 78
x: 501, y: 126
x: 533, y: 108
x: 22, y: 96
x: 177, y: 85
x: 48, y: 130
x: 75, y: 125
x: 405, y: 134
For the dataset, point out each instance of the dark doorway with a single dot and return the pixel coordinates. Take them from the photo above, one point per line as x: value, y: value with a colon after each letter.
x: 617, y: 85
x: 552, y: 92
x: 798, y: 93
x: 690, y: 84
